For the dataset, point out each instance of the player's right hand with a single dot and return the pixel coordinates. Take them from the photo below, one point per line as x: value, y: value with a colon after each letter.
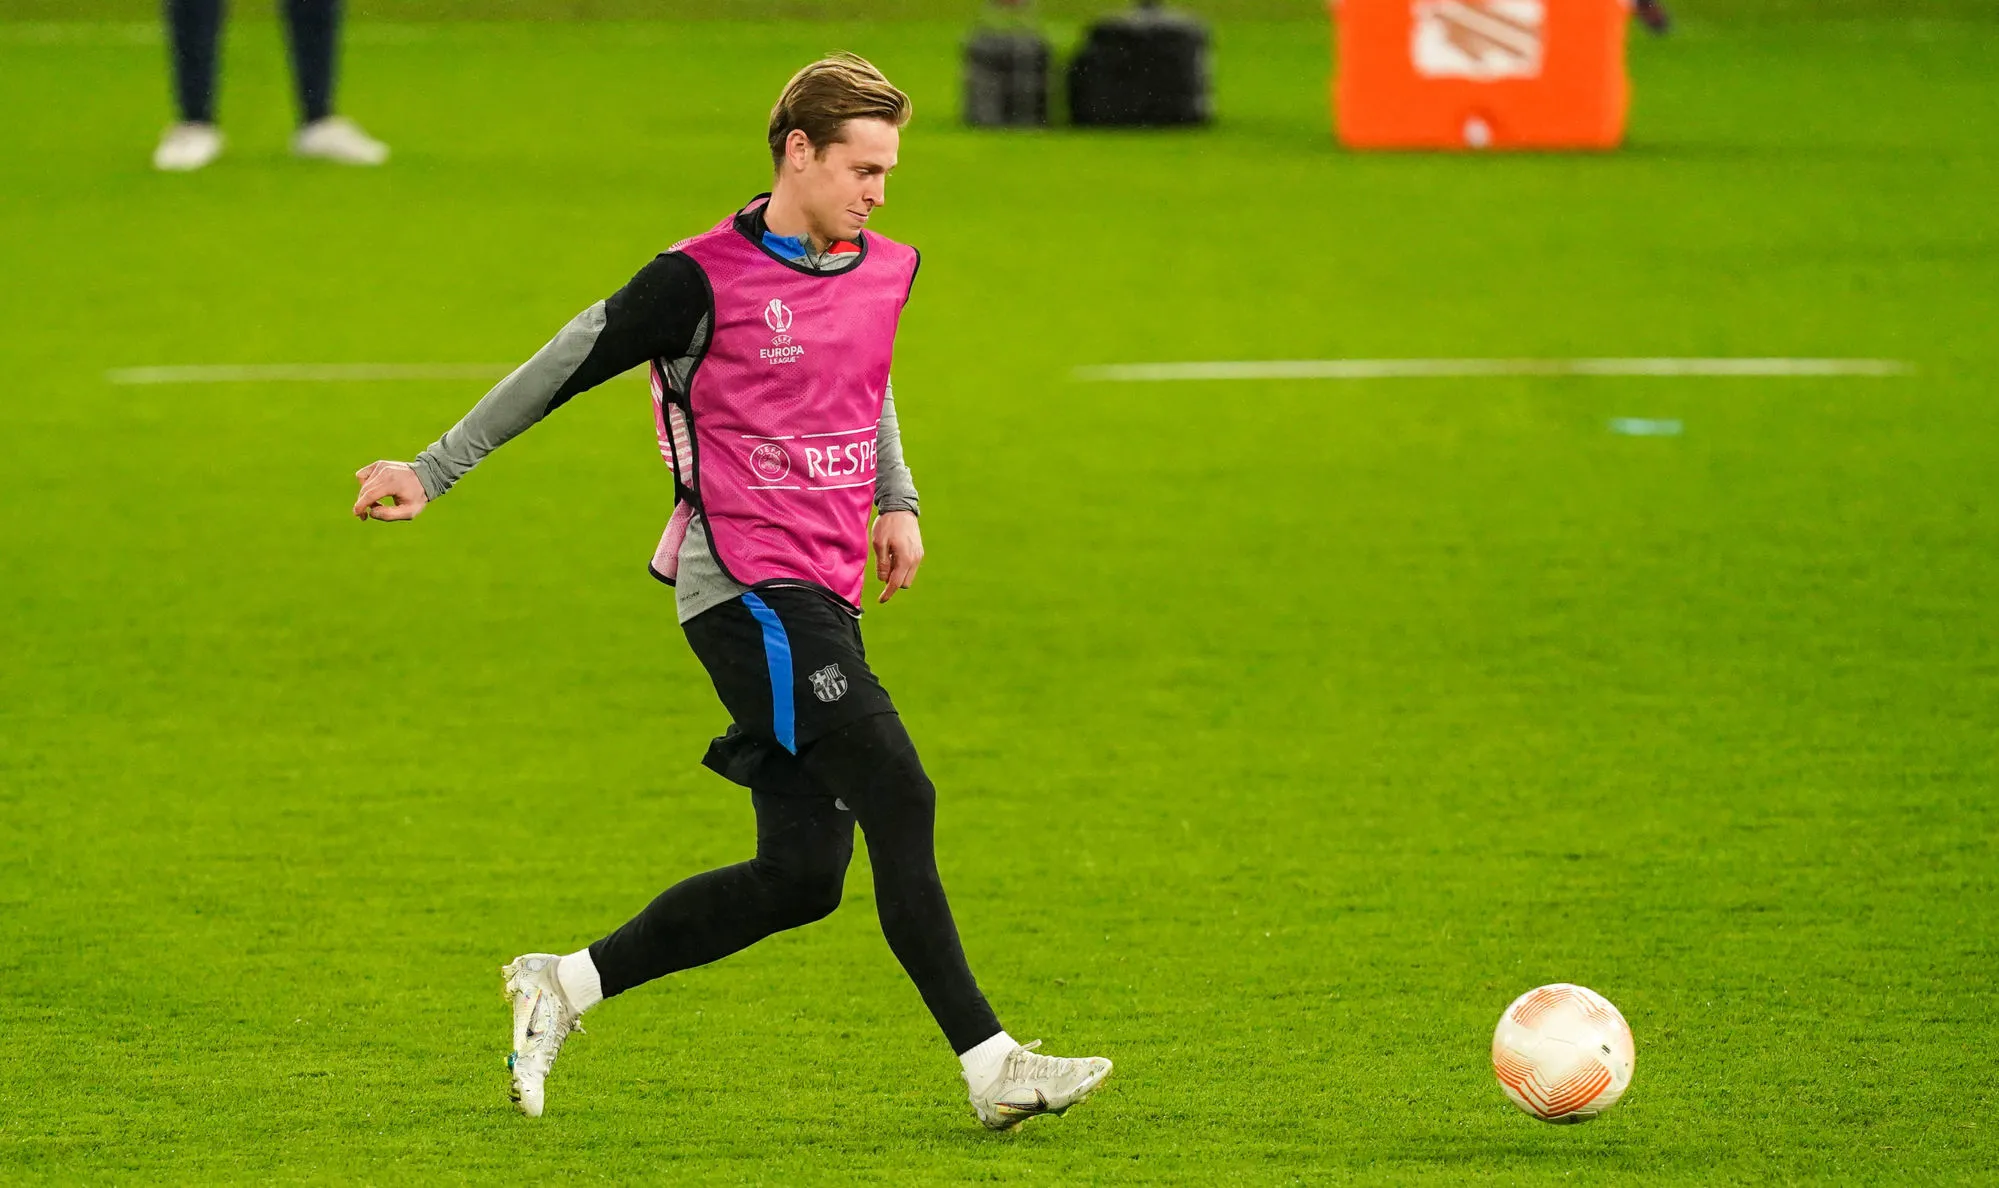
x: 389, y: 491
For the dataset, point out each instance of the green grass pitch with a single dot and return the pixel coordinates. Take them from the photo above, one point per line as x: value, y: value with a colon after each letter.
x: 1286, y: 730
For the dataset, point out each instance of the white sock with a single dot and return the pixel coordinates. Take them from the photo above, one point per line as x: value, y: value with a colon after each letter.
x: 983, y: 1063
x: 577, y: 975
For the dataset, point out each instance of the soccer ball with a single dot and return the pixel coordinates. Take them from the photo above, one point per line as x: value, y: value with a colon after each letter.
x: 1563, y: 1053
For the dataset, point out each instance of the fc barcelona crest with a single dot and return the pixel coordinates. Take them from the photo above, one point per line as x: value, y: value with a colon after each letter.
x: 829, y: 683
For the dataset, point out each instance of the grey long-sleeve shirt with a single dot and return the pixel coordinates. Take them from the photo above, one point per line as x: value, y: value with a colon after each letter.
x: 662, y: 313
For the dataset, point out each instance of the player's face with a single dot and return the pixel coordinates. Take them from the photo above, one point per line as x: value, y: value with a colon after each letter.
x: 843, y: 187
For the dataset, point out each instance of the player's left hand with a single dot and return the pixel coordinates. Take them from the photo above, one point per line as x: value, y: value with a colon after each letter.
x: 897, y: 546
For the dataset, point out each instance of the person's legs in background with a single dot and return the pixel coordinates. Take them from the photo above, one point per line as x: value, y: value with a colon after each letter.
x: 312, y: 30
x: 194, y: 42
x: 194, y: 38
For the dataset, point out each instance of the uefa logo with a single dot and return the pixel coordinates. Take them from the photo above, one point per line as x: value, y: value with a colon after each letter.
x: 777, y: 315
x: 770, y: 462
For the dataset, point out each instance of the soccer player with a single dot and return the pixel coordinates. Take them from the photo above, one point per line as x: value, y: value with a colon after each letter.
x: 769, y: 339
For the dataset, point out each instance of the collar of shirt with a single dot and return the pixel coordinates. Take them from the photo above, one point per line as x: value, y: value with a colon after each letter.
x: 796, y: 247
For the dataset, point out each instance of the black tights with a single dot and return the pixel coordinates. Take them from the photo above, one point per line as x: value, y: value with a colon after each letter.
x: 804, y: 843
x: 195, y: 30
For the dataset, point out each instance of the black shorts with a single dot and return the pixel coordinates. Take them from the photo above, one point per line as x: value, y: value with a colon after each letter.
x: 789, y: 667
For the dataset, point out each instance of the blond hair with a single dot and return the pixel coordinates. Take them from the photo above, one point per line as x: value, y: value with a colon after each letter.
x: 820, y: 99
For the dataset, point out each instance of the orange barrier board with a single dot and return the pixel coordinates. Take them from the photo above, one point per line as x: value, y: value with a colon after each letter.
x: 1457, y: 74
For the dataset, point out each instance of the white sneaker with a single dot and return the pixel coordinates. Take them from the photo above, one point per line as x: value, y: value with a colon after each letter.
x: 1030, y: 1083
x: 542, y: 1020
x: 186, y: 147
x: 337, y: 138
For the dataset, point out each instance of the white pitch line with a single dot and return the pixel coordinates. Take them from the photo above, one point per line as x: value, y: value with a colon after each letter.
x: 310, y: 373
x: 1357, y: 369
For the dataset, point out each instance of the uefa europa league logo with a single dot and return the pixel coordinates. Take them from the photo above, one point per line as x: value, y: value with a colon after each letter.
x: 777, y: 315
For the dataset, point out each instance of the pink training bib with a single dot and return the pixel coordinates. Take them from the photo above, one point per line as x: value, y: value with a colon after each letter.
x: 773, y: 441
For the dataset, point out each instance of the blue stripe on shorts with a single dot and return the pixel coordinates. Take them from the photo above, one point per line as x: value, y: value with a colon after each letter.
x: 777, y: 652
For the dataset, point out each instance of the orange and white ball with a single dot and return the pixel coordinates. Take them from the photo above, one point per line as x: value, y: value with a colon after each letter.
x: 1563, y: 1053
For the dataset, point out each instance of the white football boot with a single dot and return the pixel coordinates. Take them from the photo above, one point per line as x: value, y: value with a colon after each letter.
x: 542, y: 1020
x: 339, y: 139
x: 1030, y: 1084
x: 186, y: 147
